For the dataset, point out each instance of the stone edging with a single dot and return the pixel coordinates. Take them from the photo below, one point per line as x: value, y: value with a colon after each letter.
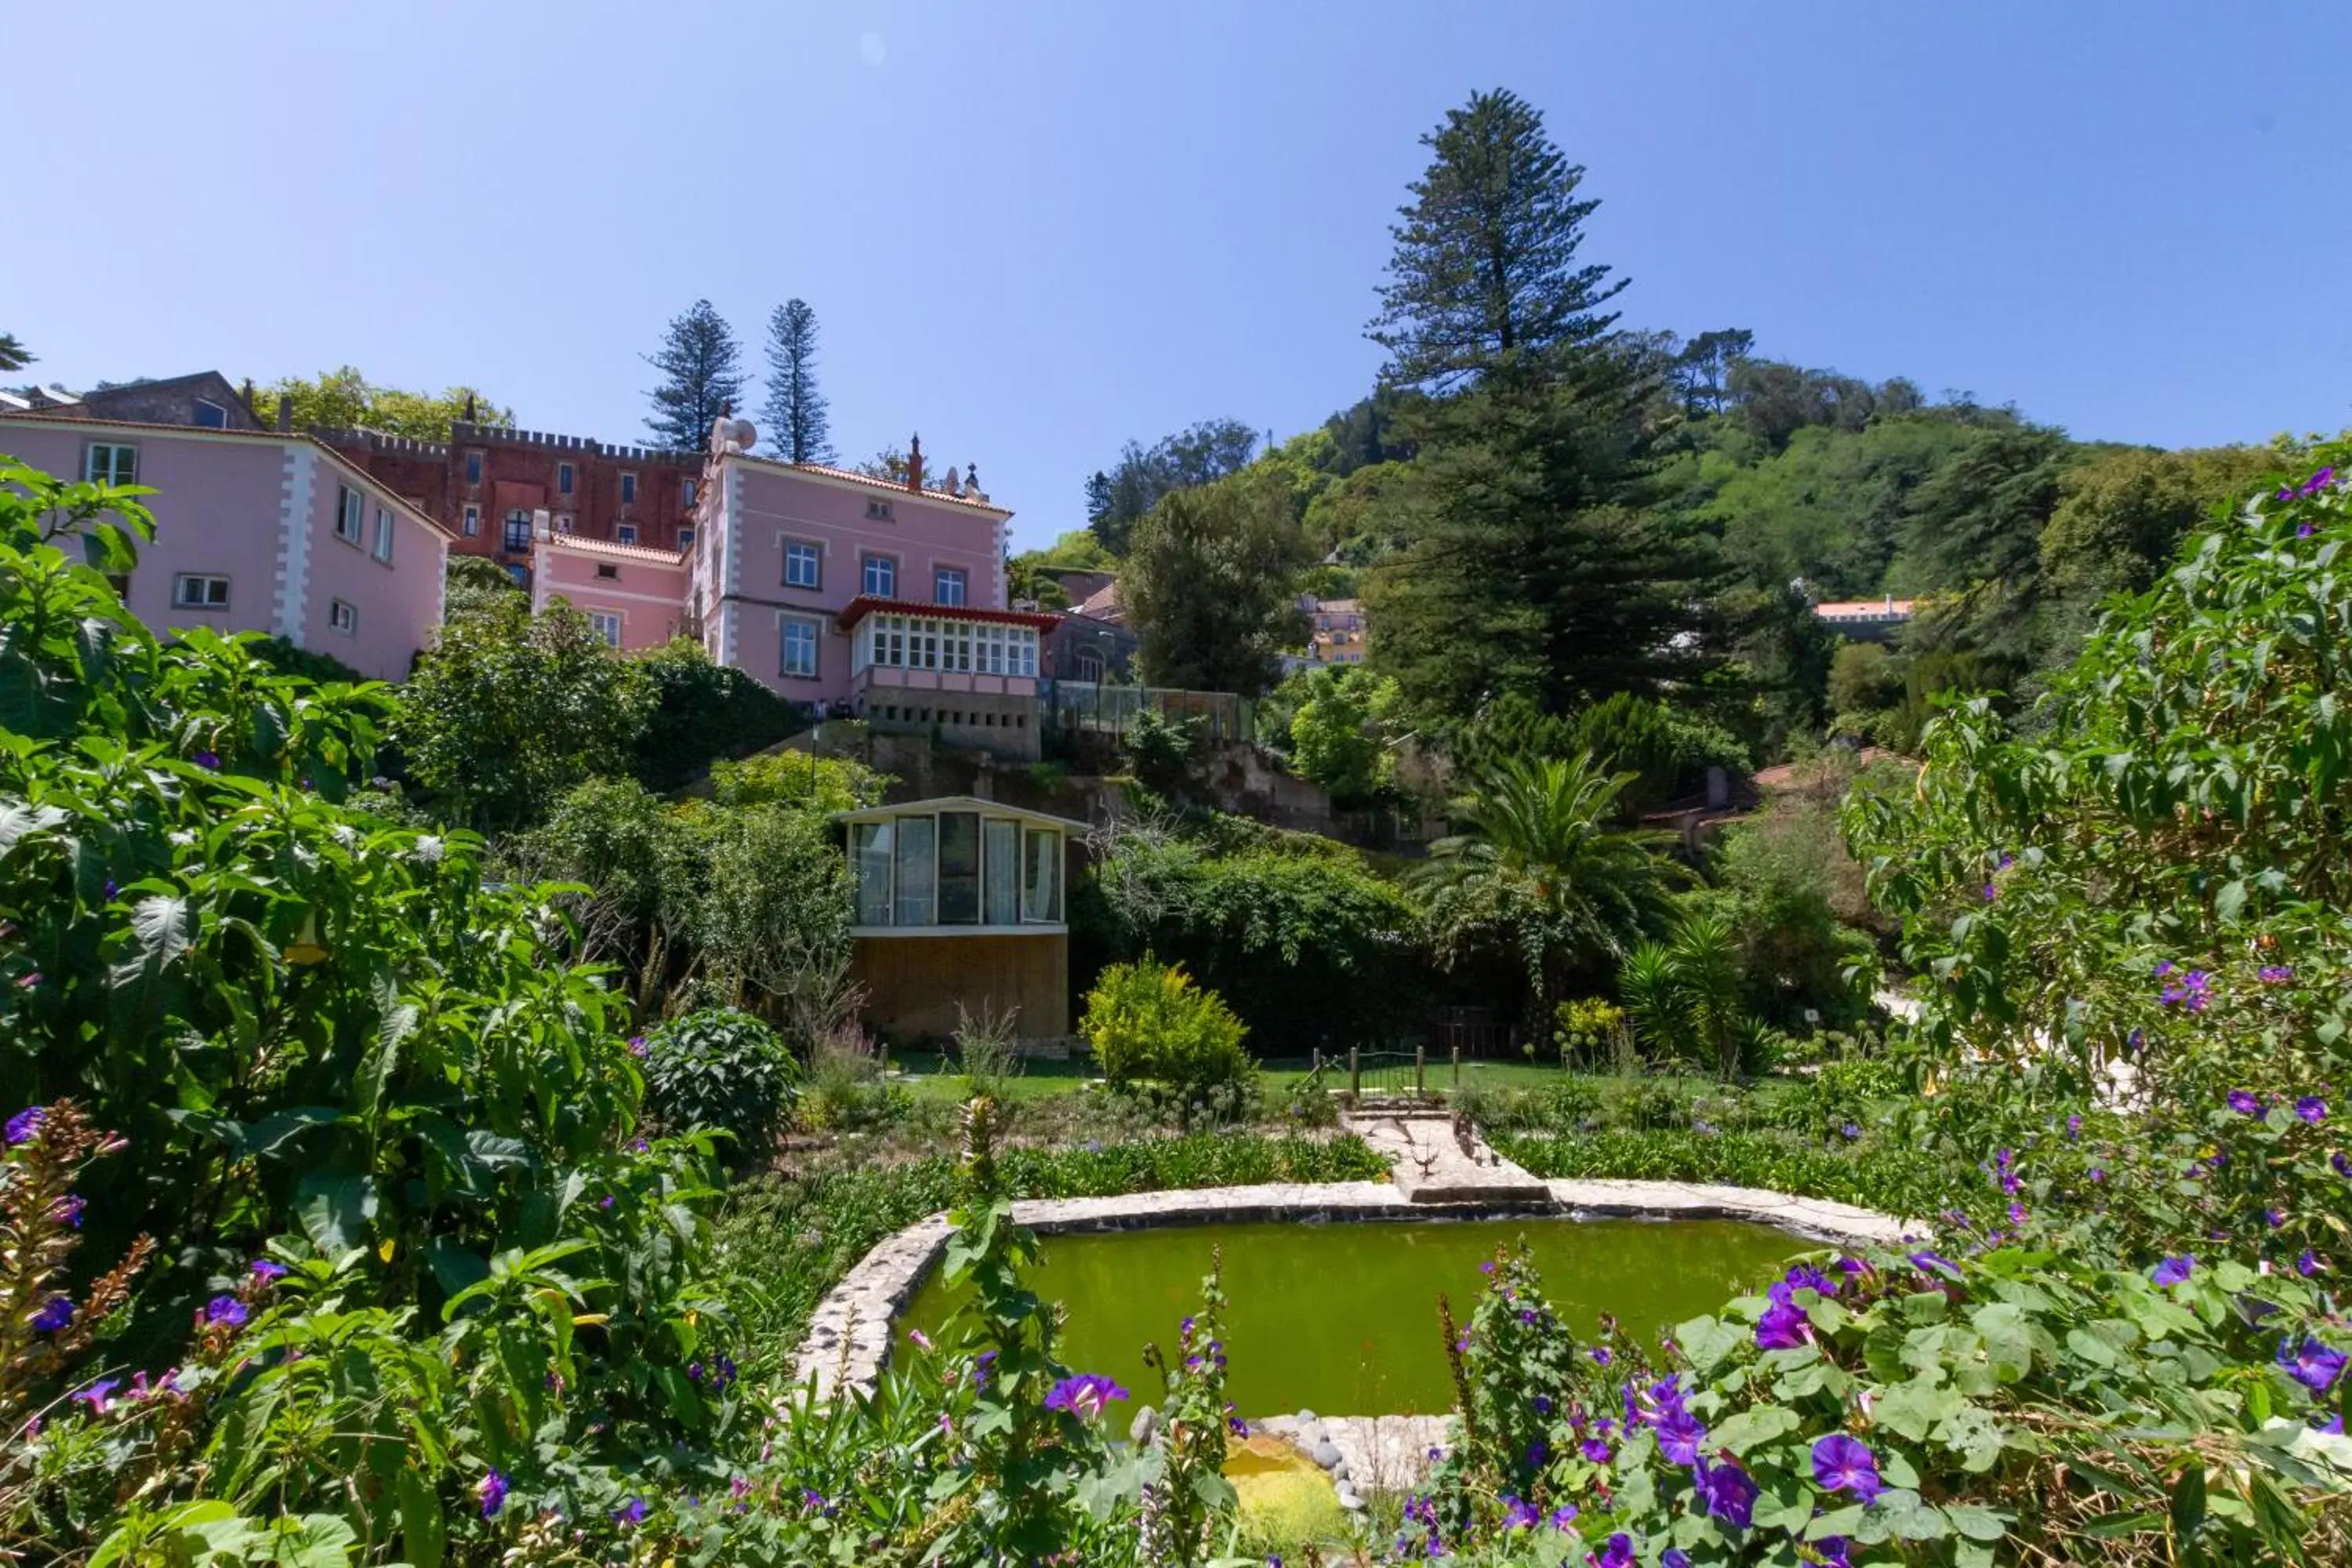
x: 848, y: 1338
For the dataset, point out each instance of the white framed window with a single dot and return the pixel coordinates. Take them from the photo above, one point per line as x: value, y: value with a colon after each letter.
x: 351, y: 514
x: 473, y: 467
x: 800, y: 638
x: 111, y: 463
x: 606, y: 625
x: 804, y: 564
x: 344, y: 617
x: 878, y: 578
x: 210, y: 416
x: 473, y: 521
x: 518, y: 531
x: 878, y: 510
x: 382, y: 550
x: 948, y: 584
x: 199, y: 591
x: 626, y: 533
x: 685, y: 537
x: 628, y: 489
x: 563, y: 478
x: 1040, y: 876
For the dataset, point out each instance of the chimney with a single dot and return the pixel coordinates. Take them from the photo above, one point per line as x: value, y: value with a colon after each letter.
x: 915, y: 463
x: 285, y: 411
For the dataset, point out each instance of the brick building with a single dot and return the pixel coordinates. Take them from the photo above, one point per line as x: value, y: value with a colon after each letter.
x: 484, y: 482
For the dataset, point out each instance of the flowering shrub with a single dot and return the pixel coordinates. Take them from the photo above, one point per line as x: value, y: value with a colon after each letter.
x: 1891, y: 1406
x: 325, y: 1042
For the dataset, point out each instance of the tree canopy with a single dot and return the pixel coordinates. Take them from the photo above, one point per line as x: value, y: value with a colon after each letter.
x: 798, y: 424
x: 702, y: 378
x: 344, y: 399
x: 1208, y: 586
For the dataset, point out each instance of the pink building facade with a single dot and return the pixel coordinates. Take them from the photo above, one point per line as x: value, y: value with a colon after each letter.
x: 636, y: 599
x: 261, y: 530
x: 864, y: 598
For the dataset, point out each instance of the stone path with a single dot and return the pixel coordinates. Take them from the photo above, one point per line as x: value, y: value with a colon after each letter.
x: 1438, y: 1161
x: 1364, y: 1454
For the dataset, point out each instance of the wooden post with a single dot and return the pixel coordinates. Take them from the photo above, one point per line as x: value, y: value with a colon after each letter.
x: 1420, y: 1072
x: 1355, y: 1075
x: 1457, y: 1069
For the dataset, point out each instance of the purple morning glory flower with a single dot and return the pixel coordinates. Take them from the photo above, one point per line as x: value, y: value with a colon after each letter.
x: 1239, y: 1427
x: 1185, y: 1328
x: 1843, y: 1464
x: 2017, y: 1214
x: 1537, y: 1452
x: 2244, y: 1103
x: 1520, y: 1514
x: 2316, y: 483
x: 225, y: 1310
x: 1542, y: 1402
x: 98, y: 1396
x: 1675, y: 1557
x: 1618, y: 1553
x: 492, y: 1490
x: 207, y: 760
x: 2312, y: 1109
x: 636, y: 1045
x: 2074, y: 1128
x: 1602, y: 1355
x: 1594, y: 1449
x: 1679, y: 1436
x: 2343, y: 1166
x: 1834, y: 1549
x: 1562, y: 1517
x: 2275, y: 1219
x: 630, y: 1513
x: 980, y: 1368
x: 2308, y: 1263
x: 1729, y: 1494
x: 267, y: 1270
x: 1781, y: 1328
x: 1083, y: 1396
x: 1927, y: 1262
x: 2097, y: 1173
x: 2274, y: 973
x: 26, y: 1123
x: 2312, y: 1364
x: 1849, y: 1131
x: 2173, y: 1270
x: 55, y: 1314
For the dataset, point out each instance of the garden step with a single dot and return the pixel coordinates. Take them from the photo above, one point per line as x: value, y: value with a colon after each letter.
x: 1435, y: 1161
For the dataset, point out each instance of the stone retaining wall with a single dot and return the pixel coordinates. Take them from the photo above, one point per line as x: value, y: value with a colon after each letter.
x: 848, y: 1339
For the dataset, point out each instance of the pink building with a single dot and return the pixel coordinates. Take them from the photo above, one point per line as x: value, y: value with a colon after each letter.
x: 636, y: 599
x: 862, y: 597
x: 261, y: 531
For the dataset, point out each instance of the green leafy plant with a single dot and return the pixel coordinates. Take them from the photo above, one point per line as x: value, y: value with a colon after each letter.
x: 720, y: 1068
x: 1149, y: 1024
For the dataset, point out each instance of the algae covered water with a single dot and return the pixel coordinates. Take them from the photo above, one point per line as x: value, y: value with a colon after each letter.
x: 1341, y: 1318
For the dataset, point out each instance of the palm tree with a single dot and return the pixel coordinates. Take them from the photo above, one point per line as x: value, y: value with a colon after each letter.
x: 12, y: 354
x: 1538, y: 840
x: 1684, y: 993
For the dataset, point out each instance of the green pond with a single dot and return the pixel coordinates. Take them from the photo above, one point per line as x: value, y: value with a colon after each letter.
x: 1341, y: 1318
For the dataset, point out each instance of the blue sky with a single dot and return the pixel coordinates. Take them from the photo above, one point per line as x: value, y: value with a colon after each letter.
x: 1032, y: 231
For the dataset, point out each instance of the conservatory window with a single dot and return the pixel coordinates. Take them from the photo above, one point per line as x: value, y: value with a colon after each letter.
x: 1041, y: 886
x: 917, y: 867
x: 1001, y: 864
x: 959, y: 868
x: 872, y: 842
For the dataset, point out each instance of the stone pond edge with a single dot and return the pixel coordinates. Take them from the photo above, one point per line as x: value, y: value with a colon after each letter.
x: 848, y: 1337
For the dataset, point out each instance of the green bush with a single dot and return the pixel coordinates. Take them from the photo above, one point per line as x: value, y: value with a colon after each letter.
x: 1306, y: 945
x: 1892, y: 1180
x: 1149, y: 1024
x: 1591, y: 1032
x: 703, y: 711
x: 719, y: 1068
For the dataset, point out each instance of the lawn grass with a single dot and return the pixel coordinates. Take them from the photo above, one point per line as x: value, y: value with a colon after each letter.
x: 931, y: 1075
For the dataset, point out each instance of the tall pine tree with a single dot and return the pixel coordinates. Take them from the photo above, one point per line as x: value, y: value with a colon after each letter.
x: 798, y: 427
x: 1485, y: 271
x: 1531, y: 562
x: 701, y: 378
